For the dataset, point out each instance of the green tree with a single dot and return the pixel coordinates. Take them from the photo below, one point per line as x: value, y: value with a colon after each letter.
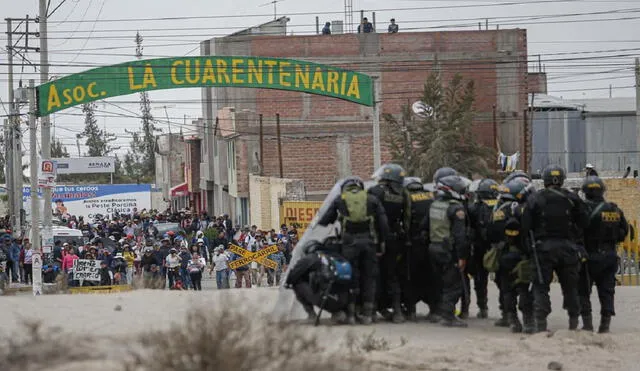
x: 97, y: 140
x: 445, y: 138
x: 58, y: 150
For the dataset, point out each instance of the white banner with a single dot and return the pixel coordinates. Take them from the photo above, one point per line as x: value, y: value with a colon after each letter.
x: 85, y: 165
x: 86, y: 270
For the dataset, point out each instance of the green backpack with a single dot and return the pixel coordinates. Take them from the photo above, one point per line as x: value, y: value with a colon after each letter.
x: 356, y: 202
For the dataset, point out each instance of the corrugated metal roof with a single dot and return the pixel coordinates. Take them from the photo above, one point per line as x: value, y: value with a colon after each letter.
x: 550, y: 102
x: 623, y: 104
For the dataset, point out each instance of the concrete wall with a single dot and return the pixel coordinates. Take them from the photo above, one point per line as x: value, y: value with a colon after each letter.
x: 266, y: 195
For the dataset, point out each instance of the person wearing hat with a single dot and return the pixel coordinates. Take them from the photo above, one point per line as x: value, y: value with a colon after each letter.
x: 119, y: 267
x: 590, y: 170
x: 150, y: 268
x: 393, y: 26
x: 106, y: 276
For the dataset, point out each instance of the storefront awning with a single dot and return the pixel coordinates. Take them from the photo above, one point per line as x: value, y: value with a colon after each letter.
x: 180, y: 190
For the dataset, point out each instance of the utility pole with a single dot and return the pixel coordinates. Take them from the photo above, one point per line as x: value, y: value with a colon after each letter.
x: 261, y: 147
x: 45, y: 127
x: 9, y: 139
x: 637, y: 70
x: 279, y: 145
x: 35, y: 200
x: 377, y: 161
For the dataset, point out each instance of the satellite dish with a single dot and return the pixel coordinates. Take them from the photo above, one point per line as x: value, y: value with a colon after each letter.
x: 421, y: 109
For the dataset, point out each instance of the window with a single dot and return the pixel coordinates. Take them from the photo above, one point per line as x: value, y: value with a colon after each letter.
x: 231, y: 155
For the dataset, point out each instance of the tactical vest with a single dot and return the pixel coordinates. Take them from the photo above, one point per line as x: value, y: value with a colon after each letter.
x: 357, y: 219
x: 556, y: 220
x: 439, y: 222
x: 393, y: 206
x: 606, y: 218
x: 484, y: 213
x: 416, y: 209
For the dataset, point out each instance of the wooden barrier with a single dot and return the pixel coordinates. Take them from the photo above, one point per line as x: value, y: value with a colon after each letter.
x: 100, y: 289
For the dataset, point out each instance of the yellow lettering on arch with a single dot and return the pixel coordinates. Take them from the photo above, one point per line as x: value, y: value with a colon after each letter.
x: 187, y: 71
x: 53, y: 100
x: 354, y: 88
x: 148, y: 78
x: 174, y: 77
x: 222, y: 71
x: 318, y: 80
x: 237, y: 71
x: 302, y: 76
x: 208, y: 75
x: 284, y: 74
x: 253, y: 72
x: 132, y: 82
x: 270, y: 64
x: 332, y: 82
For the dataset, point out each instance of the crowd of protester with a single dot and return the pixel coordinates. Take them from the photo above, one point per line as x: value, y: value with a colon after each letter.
x: 131, y: 250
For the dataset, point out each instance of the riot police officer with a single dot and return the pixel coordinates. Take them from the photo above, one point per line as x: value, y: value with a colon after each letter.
x: 389, y: 190
x: 448, y: 244
x: 607, y: 226
x: 513, y: 273
x: 479, y: 217
x: 416, y: 272
x: 549, y: 217
x: 364, y: 228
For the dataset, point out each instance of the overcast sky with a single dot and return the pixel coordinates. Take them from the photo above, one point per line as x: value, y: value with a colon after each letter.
x: 583, y: 54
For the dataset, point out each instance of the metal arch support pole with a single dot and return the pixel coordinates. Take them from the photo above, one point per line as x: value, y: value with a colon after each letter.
x: 377, y: 161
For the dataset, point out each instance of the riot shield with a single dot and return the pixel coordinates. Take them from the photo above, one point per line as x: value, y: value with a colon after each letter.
x: 287, y: 307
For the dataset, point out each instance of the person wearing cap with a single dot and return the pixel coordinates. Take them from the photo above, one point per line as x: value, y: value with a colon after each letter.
x: 203, y: 249
x: 393, y: 26
x: 590, y: 170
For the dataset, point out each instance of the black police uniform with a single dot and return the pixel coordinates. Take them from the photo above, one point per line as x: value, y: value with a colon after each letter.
x: 359, y: 244
x: 310, y: 282
x: 479, y: 219
x: 607, y: 226
x: 417, y: 277
x: 551, y: 214
x: 446, y: 247
x: 389, y: 292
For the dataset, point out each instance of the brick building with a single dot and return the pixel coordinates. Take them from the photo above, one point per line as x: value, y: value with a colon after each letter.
x: 324, y: 139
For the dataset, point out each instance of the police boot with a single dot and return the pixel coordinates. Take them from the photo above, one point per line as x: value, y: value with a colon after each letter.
x: 514, y: 323
x: 573, y: 323
x: 386, y: 314
x: 398, y: 317
x: 339, y: 318
x: 587, y: 322
x: 453, y: 321
x: 605, y: 322
x: 529, y: 324
x: 483, y: 313
x: 541, y: 324
x: 367, y: 314
x: 433, y: 317
x: 351, y: 314
x: 503, y: 321
x: 411, y: 313
x: 311, y: 314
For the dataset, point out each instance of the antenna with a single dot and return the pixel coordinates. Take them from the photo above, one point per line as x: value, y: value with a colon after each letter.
x: 275, y: 7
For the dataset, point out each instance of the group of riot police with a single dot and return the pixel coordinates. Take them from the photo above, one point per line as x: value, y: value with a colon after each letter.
x: 406, y: 242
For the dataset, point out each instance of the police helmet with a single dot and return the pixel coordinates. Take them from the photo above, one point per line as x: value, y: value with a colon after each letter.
x: 514, y: 175
x: 390, y: 172
x: 353, y: 181
x: 487, y: 189
x: 519, y: 188
x: 413, y: 184
x: 593, y: 187
x: 453, y: 185
x: 442, y: 172
x: 553, y: 175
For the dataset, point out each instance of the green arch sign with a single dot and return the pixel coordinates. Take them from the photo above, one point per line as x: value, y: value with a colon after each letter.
x: 172, y: 73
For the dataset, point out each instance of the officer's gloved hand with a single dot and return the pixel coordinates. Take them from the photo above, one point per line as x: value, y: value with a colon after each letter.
x: 382, y: 249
